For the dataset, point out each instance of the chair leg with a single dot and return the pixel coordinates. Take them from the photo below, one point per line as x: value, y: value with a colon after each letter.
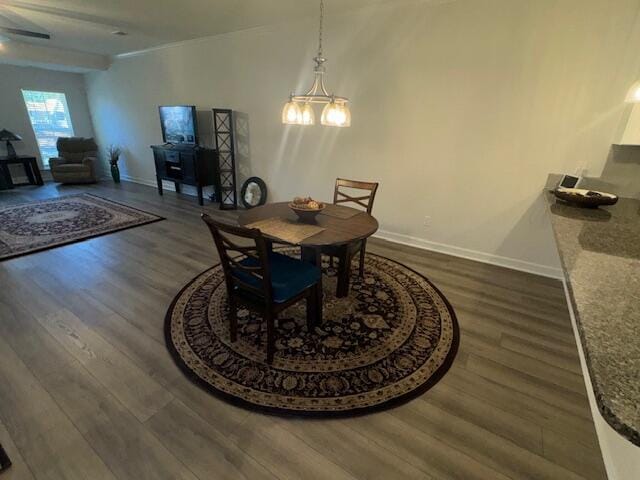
x: 271, y: 333
x: 362, y: 257
x: 233, y: 319
x: 317, y: 309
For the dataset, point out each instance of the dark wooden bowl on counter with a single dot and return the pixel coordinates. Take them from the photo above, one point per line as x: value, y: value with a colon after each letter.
x: 585, y: 198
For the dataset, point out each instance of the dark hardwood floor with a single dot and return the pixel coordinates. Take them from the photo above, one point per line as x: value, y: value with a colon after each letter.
x: 88, y: 390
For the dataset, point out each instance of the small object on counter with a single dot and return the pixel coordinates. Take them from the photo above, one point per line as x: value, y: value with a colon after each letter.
x: 569, y: 181
x: 585, y: 198
x: 306, y: 208
x: 5, y: 463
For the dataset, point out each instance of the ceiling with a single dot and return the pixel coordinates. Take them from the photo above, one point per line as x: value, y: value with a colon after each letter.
x: 87, y: 25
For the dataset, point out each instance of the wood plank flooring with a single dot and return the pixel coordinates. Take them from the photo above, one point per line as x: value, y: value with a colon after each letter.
x: 88, y: 390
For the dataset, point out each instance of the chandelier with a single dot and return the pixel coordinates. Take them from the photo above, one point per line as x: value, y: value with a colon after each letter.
x: 298, y: 110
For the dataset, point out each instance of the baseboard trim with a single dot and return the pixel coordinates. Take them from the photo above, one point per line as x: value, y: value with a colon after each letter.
x: 491, y: 259
x: 142, y: 181
x: 166, y: 185
x: 506, y: 262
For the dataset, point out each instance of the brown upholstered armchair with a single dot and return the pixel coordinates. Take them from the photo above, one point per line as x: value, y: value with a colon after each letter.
x: 76, y: 161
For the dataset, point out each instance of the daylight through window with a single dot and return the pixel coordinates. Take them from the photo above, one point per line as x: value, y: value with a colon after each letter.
x: 50, y: 119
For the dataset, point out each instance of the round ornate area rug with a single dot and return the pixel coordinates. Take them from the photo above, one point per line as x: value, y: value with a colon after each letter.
x: 391, y: 339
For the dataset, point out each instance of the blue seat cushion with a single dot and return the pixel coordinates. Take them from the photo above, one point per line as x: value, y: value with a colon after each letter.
x: 289, y: 276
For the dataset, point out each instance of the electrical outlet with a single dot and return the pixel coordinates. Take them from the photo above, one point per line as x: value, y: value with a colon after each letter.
x: 427, y: 221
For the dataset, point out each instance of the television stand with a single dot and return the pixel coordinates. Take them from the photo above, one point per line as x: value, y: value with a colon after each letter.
x: 188, y: 165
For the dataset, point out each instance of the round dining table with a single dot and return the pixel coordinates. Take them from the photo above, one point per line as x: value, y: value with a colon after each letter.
x: 341, y: 225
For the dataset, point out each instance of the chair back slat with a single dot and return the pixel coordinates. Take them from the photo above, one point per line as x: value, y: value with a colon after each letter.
x: 365, y: 201
x: 231, y: 254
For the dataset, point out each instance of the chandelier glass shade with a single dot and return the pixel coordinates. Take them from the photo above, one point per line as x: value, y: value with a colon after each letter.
x: 291, y: 113
x: 308, y: 116
x: 299, y: 110
x: 336, y: 115
x: 633, y: 95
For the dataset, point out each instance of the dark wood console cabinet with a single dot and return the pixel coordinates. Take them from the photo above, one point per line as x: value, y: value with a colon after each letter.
x: 187, y: 165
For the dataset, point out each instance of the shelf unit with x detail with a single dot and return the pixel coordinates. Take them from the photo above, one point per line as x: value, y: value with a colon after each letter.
x: 226, y: 192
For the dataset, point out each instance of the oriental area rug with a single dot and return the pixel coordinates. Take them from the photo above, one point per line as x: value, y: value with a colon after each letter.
x: 390, y: 340
x: 43, y: 224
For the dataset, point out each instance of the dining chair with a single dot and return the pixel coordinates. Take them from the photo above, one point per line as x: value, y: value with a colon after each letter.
x: 261, y: 280
x: 363, y: 199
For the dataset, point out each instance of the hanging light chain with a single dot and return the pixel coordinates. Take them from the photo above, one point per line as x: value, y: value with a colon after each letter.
x: 320, y: 29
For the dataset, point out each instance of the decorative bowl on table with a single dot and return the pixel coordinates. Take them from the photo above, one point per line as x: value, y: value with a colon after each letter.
x: 585, y: 198
x: 306, y: 208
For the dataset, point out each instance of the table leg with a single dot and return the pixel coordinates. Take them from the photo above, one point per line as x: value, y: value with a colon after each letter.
x: 344, y: 270
x: 6, y: 173
x: 200, y: 197
x: 314, y: 256
x: 28, y: 170
x: 159, y: 185
x: 36, y: 172
x: 5, y: 463
x: 269, y: 244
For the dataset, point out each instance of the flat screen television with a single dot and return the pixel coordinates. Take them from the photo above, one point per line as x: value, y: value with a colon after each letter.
x: 179, y: 124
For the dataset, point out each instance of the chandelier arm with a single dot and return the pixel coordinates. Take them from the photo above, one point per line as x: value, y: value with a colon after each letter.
x: 318, y: 85
x: 317, y: 98
x: 314, y: 88
x: 324, y: 90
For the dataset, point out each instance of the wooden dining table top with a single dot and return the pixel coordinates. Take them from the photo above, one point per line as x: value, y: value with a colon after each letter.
x: 337, y: 231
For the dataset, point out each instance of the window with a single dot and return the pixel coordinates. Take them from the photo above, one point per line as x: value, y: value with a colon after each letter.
x: 50, y: 119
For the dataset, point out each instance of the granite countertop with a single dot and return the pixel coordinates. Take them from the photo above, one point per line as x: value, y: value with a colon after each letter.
x: 600, y: 253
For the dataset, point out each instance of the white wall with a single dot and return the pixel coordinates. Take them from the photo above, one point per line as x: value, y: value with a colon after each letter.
x: 460, y: 110
x: 13, y: 113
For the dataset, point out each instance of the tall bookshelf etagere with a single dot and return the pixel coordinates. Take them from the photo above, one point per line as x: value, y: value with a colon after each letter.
x: 225, y: 145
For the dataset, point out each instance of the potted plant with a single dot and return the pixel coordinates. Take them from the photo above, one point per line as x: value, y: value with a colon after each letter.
x: 114, y: 155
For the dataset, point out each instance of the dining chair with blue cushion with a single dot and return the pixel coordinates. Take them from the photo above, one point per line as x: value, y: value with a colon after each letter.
x: 264, y: 281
